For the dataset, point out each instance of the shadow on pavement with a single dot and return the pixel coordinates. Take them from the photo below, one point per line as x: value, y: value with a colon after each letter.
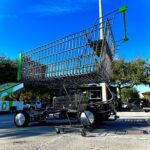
x: 120, y: 126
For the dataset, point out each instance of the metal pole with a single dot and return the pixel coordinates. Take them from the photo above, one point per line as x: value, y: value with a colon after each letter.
x: 101, y: 19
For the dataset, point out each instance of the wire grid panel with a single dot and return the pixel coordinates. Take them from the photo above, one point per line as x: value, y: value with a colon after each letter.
x: 78, y: 58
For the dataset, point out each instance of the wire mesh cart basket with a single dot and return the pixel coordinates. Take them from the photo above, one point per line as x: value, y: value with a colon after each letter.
x: 79, y: 59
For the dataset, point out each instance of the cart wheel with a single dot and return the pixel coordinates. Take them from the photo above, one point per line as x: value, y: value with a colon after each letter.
x: 63, y: 130
x: 21, y: 119
x: 90, y: 129
x: 116, y: 117
x: 83, y: 133
x: 57, y: 130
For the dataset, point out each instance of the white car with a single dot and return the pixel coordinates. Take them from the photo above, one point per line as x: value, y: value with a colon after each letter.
x: 124, y: 106
x: 33, y: 105
x: 36, y: 104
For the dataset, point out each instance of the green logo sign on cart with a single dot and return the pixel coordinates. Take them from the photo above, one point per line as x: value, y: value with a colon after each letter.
x: 4, y: 106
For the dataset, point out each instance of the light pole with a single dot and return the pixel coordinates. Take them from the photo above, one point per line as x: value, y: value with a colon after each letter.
x: 101, y: 19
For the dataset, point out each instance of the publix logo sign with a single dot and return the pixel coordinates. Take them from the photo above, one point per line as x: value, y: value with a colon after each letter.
x: 4, y: 106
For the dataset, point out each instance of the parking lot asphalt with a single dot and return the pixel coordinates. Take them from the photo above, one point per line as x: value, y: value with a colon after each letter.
x: 130, y: 132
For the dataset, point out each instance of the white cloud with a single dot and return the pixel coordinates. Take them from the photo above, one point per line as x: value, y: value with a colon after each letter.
x: 65, y: 6
x: 52, y: 9
x: 93, y: 1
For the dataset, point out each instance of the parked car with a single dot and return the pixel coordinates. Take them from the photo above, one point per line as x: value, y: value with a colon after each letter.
x: 124, y: 105
x: 134, y: 104
x: 34, y: 105
x: 26, y: 106
x: 145, y: 105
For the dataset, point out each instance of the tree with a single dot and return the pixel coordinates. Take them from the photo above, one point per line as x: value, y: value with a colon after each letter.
x: 8, y: 73
x: 129, y: 74
x: 128, y: 93
x: 31, y: 93
x: 8, y: 70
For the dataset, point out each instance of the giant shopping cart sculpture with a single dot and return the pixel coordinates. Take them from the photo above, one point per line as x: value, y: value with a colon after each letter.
x: 80, y: 58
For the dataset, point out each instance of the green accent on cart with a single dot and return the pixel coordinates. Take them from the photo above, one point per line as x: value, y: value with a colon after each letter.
x: 4, y: 106
x: 123, y: 8
x: 8, y: 88
x: 10, y: 103
x: 19, y: 67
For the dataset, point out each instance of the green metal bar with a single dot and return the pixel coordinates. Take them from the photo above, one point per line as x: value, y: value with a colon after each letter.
x: 125, y: 27
x: 123, y: 10
x: 9, y: 88
x: 19, y: 67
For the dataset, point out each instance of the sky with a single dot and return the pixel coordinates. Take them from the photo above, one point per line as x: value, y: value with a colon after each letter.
x: 26, y: 24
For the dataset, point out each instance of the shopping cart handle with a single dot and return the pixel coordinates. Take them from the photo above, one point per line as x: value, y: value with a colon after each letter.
x: 123, y: 10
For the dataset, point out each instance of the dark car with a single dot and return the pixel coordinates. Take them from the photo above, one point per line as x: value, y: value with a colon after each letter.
x: 145, y: 105
x: 134, y: 104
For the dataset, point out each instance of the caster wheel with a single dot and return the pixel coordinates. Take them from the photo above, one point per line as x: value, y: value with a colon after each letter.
x: 90, y: 129
x: 63, y: 130
x: 83, y: 133
x: 57, y: 130
x: 116, y: 117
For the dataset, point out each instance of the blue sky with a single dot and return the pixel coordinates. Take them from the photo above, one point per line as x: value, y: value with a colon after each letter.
x: 26, y: 24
